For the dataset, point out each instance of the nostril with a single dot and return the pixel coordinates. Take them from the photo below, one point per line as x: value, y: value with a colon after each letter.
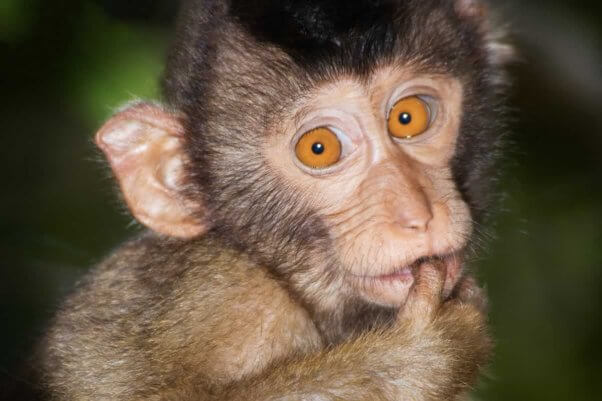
x: 417, y: 225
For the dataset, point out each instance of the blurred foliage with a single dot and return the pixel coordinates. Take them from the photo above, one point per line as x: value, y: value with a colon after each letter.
x: 67, y: 64
x: 15, y: 19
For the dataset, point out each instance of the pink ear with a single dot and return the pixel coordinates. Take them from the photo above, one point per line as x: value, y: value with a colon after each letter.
x: 143, y: 146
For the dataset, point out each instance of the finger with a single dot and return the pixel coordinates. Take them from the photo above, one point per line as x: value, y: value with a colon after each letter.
x: 425, y: 295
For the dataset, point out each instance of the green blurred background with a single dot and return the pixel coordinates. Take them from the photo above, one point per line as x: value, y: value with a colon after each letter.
x: 65, y: 65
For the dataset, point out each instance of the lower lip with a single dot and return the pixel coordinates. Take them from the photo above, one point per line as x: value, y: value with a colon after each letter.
x: 393, y: 289
x: 388, y: 290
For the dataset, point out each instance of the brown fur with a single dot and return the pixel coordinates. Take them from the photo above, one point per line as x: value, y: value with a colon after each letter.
x: 157, y: 331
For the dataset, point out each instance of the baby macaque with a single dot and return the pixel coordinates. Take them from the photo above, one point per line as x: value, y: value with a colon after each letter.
x: 310, y: 187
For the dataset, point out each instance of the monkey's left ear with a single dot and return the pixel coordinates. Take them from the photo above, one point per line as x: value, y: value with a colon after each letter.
x: 143, y: 145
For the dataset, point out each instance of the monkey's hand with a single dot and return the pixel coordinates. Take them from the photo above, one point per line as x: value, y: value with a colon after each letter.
x: 435, y: 352
x: 447, y: 342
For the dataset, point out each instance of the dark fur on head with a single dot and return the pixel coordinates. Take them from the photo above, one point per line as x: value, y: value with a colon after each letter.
x: 236, y: 64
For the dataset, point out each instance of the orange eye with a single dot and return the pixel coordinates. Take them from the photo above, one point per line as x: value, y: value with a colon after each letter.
x: 319, y: 148
x: 408, y: 118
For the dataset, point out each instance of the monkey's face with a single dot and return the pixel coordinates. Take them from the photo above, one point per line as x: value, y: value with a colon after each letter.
x: 343, y: 157
x: 373, y: 158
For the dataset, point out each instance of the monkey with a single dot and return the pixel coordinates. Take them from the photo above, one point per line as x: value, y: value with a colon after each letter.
x: 311, y: 185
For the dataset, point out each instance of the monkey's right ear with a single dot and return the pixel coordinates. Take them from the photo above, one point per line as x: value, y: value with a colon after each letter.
x: 143, y: 145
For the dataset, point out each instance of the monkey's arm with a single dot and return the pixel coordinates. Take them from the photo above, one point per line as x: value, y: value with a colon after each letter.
x: 434, y: 364
x: 435, y: 353
x: 265, y: 350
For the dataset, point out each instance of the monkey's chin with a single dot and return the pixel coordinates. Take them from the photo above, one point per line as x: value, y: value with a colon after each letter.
x: 392, y: 289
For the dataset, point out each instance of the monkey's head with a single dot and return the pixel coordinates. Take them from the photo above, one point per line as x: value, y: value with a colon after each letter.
x: 341, y: 144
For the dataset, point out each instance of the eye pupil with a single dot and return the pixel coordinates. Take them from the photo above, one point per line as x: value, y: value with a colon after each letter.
x: 405, y: 118
x: 318, y: 148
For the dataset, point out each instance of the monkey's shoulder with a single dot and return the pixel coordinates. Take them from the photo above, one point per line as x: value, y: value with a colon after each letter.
x: 157, y: 300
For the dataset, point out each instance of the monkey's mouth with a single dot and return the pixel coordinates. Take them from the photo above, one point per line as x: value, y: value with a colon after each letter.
x: 392, y: 289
